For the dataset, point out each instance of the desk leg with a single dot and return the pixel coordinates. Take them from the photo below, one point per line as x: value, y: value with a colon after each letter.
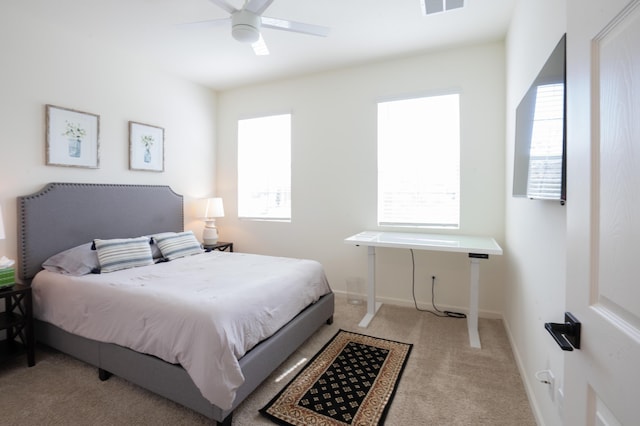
x: 472, y: 318
x: 372, y: 304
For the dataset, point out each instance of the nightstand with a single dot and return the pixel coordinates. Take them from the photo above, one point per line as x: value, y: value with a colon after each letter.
x: 220, y: 245
x: 17, y: 322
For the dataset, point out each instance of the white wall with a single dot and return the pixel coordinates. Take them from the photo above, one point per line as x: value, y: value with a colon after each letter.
x: 42, y: 64
x: 535, y: 230
x: 334, y: 169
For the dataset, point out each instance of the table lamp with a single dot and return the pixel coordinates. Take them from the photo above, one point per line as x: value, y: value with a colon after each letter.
x: 214, y: 209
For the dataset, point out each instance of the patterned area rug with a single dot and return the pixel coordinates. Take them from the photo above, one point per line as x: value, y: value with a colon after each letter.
x: 351, y: 381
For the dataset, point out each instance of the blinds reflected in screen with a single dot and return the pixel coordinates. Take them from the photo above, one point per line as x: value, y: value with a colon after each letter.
x: 545, y: 154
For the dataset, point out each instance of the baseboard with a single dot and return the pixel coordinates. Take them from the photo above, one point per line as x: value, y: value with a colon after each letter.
x: 525, y: 377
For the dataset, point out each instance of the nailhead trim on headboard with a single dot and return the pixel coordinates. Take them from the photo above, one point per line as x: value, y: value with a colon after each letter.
x: 64, y: 215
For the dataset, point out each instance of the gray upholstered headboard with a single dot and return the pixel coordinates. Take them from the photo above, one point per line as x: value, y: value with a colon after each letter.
x: 64, y: 215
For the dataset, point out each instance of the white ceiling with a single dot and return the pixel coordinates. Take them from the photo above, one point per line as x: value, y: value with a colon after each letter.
x: 361, y: 31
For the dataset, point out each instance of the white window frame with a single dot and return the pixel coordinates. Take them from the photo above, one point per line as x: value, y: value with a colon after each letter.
x: 264, y: 168
x: 418, y: 176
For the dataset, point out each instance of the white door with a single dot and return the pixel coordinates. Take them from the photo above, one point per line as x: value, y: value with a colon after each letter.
x: 602, y: 379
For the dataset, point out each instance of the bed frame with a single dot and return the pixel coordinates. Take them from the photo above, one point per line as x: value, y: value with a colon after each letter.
x: 64, y: 215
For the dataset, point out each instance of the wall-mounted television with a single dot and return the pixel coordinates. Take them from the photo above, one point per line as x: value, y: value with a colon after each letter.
x: 540, y: 164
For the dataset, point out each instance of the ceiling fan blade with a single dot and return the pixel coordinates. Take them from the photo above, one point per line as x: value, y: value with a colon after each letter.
x: 258, y: 6
x: 224, y: 5
x: 210, y: 23
x: 296, y: 27
x: 260, y: 47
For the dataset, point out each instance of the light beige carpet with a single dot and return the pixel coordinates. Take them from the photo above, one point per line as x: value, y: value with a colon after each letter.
x: 445, y: 381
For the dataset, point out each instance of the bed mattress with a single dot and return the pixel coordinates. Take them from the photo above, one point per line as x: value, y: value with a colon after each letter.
x: 203, y: 312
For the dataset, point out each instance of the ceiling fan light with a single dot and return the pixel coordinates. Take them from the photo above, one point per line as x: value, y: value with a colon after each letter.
x: 245, y: 33
x: 245, y: 26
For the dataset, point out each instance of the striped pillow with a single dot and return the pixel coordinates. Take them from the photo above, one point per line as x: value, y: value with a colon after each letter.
x: 123, y: 253
x: 177, y: 245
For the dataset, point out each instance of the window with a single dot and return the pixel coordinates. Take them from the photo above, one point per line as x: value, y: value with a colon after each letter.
x: 264, y: 168
x: 419, y: 162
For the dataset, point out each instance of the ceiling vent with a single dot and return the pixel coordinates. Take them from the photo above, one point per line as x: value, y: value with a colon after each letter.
x: 430, y: 7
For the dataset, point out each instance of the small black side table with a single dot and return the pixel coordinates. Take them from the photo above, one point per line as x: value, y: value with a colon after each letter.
x: 17, y: 321
x: 220, y: 245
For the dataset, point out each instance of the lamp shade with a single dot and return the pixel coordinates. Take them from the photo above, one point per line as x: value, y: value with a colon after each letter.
x: 214, y: 208
x: 2, y: 236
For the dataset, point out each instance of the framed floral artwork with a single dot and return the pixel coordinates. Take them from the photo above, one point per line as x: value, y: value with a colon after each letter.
x: 72, y: 137
x: 146, y: 147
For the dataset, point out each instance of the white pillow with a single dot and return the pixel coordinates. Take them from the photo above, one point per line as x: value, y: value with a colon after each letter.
x: 80, y: 260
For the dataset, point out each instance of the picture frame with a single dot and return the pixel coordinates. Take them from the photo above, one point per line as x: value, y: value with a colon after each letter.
x: 72, y: 138
x: 146, y: 147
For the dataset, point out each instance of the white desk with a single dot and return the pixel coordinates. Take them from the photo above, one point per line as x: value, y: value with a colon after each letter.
x: 476, y: 247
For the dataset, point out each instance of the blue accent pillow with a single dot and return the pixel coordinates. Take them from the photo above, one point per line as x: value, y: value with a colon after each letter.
x: 180, y: 244
x: 123, y: 253
x: 155, y: 250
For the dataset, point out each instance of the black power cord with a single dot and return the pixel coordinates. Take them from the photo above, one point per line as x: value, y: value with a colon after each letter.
x: 437, y: 312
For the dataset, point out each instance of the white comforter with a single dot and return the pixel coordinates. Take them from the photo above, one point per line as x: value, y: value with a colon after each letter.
x: 203, y: 312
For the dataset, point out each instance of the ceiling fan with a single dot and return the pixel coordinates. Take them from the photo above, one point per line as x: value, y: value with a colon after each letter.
x: 247, y: 21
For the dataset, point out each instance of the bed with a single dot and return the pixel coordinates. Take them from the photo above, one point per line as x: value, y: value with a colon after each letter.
x: 66, y: 215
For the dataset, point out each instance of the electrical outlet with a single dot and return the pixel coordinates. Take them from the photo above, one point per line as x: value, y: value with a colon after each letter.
x: 547, y: 377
